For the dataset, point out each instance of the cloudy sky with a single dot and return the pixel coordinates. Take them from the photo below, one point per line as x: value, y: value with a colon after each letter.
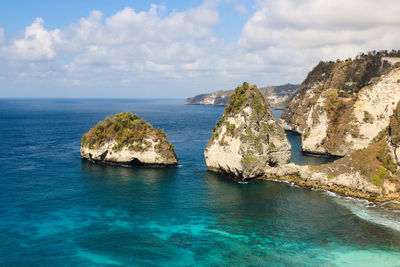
x: 175, y: 49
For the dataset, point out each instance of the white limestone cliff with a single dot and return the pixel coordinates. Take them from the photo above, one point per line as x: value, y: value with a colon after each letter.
x: 336, y: 113
x: 247, y: 139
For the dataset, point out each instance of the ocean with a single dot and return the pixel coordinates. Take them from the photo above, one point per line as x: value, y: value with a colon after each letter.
x: 58, y: 210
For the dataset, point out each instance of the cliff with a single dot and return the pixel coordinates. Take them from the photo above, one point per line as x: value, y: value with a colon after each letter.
x: 246, y: 139
x: 342, y: 106
x: 126, y: 139
x: 372, y: 173
x: 277, y: 96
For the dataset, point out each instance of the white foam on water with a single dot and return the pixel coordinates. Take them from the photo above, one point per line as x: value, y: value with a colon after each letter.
x: 363, y: 209
x: 371, y: 212
x: 329, y: 193
x: 278, y: 181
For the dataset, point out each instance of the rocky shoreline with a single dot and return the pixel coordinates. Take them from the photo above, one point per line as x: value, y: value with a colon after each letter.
x: 304, y: 176
x: 130, y: 164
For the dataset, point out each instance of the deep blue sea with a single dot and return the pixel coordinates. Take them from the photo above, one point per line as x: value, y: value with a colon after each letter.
x: 56, y: 210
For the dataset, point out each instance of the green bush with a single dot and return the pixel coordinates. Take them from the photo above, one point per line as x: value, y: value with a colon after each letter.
x: 125, y: 129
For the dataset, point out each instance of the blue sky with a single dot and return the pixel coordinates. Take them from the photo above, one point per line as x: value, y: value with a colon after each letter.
x: 141, y: 49
x: 58, y: 14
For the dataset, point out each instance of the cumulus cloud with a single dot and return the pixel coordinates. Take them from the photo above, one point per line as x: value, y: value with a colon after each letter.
x: 38, y: 43
x: 280, y: 42
x: 303, y: 32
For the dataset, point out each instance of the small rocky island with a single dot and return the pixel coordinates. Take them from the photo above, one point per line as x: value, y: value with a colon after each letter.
x: 126, y: 139
x: 247, y: 140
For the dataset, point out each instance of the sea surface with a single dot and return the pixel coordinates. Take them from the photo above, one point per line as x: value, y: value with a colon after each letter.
x: 56, y: 210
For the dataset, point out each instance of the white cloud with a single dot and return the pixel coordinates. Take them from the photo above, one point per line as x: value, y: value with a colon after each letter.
x: 321, y: 29
x: 280, y: 43
x: 37, y: 44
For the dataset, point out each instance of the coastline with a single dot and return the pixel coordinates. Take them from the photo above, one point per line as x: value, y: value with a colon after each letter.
x: 340, y: 190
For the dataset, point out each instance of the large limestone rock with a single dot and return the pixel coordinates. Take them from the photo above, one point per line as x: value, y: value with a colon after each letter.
x: 247, y: 139
x: 126, y: 139
x: 372, y: 173
x: 342, y: 106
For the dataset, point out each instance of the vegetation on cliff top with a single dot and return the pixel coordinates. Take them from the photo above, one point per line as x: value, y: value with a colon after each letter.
x: 248, y: 95
x: 374, y: 162
x: 244, y: 96
x: 349, y: 75
x: 125, y: 129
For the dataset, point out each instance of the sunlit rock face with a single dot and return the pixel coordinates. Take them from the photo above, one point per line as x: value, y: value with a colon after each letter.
x: 247, y: 139
x: 342, y: 106
x: 372, y: 173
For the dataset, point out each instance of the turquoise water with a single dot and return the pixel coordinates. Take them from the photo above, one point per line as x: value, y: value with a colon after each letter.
x: 57, y: 210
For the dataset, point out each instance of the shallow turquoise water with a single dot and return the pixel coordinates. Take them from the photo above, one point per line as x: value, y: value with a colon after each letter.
x: 57, y: 210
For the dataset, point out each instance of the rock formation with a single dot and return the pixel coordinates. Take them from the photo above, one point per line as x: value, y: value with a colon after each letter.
x: 277, y: 96
x: 126, y: 139
x: 218, y: 98
x: 247, y: 139
x: 342, y: 106
x: 372, y: 173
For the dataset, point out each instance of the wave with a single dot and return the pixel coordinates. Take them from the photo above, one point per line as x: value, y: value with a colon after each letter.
x: 371, y: 212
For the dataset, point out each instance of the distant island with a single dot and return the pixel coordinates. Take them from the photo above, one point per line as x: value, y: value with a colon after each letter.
x: 277, y: 96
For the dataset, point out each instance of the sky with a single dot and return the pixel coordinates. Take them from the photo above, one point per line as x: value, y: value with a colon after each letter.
x: 177, y: 49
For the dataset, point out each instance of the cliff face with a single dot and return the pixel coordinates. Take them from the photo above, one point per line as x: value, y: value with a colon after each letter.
x: 341, y: 106
x: 247, y: 139
x: 372, y: 173
x: 277, y: 96
x: 126, y: 139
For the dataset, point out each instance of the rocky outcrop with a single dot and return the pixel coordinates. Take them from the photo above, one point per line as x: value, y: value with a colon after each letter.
x: 277, y: 96
x: 126, y: 139
x: 247, y: 139
x: 342, y: 106
x: 372, y: 173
